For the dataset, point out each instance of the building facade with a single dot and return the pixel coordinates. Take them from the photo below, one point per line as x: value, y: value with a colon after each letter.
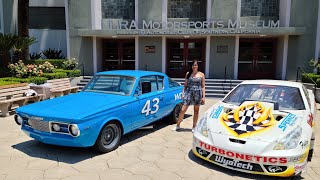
x: 47, y: 23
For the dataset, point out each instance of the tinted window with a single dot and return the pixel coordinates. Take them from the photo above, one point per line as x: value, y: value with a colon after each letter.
x: 307, y: 95
x: 47, y: 18
x: 152, y: 80
x: 285, y: 97
x: 111, y: 84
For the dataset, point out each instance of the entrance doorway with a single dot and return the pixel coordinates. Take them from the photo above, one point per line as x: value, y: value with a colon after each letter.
x: 257, y: 58
x: 119, y: 54
x: 181, y: 53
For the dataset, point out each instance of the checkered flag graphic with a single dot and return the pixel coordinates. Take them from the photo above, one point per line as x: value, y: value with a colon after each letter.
x: 247, y: 117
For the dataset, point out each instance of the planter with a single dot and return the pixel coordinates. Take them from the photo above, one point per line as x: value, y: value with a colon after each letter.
x: 42, y: 89
x: 75, y: 80
x: 317, y: 95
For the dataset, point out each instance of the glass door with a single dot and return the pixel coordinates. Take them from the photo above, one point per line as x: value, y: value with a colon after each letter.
x: 119, y: 54
x: 257, y: 58
x: 181, y: 54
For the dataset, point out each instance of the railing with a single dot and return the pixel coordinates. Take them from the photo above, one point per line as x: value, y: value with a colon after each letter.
x: 225, y: 78
x: 304, y: 73
x: 80, y: 65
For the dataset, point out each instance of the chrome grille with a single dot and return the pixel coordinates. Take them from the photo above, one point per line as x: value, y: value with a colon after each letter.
x: 39, y: 125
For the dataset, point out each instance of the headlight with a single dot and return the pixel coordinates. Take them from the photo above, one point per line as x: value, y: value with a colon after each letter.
x: 56, y: 127
x: 18, y: 119
x: 290, y: 141
x: 74, y: 130
x: 202, y: 126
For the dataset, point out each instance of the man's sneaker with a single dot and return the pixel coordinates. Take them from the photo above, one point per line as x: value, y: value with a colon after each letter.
x: 175, y: 128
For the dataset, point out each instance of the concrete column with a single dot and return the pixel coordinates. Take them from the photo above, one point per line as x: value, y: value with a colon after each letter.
x: 207, y: 66
x: 96, y: 14
x: 209, y: 6
x: 136, y: 11
x: 316, y: 56
x: 136, y: 38
x: 94, y: 49
x: 164, y: 54
x: 164, y: 12
x: 66, y: 10
x: 285, y: 57
x: 236, y: 58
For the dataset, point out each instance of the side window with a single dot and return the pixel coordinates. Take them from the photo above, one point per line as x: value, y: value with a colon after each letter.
x: 148, y: 84
x: 160, y: 82
x: 307, y: 95
x: 172, y: 83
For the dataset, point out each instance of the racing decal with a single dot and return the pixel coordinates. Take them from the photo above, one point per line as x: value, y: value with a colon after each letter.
x: 146, y: 108
x: 310, y: 120
x: 275, y: 169
x: 248, y: 120
x: 236, y: 164
x: 177, y: 96
x: 202, y: 152
x: 300, y: 167
x: 245, y: 157
x: 216, y: 112
x: 304, y: 144
x: 289, y: 120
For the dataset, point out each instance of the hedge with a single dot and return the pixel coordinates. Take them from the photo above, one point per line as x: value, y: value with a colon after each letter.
x: 314, y: 77
x: 56, y: 75
x: 3, y: 83
x: 70, y: 73
x: 35, y: 80
x: 56, y: 62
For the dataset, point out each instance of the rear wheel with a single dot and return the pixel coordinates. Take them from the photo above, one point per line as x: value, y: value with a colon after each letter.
x: 173, y: 118
x: 109, y: 137
x: 310, y: 154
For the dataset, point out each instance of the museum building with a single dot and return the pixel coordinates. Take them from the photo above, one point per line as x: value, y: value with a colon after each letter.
x: 238, y: 39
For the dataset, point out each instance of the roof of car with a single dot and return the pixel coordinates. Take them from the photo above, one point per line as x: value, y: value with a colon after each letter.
x: 135, y: 73
x: 274, y: 82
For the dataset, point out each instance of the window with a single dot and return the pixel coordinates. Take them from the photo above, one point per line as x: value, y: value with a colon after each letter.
x: 307, y: 95
x: 47, y: 18
x: 149, y: 84
x: 193, y: 9
x: 260, y: 8
x: 160, y: 82
x: 172, y: 83
x: 118, y: 9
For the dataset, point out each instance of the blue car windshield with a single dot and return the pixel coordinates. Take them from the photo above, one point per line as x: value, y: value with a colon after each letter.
x: 283, y: 97
x: 111, y: 84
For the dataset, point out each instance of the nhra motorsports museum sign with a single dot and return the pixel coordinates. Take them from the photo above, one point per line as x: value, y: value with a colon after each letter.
x: 124, y: 27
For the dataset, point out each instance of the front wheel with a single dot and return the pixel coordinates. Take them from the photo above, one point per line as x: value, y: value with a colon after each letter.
x: 109, y: 138
x: 173, y: 118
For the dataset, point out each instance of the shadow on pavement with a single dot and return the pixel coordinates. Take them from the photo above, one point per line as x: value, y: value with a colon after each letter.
x: 234, y: 173
x: 73, y: 155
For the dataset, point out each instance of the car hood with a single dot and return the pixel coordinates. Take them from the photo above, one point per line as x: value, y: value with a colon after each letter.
x: 220, y: 119
x: 72, y: 107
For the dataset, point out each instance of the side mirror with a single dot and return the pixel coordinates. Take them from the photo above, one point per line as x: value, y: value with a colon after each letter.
x: 137, y: 93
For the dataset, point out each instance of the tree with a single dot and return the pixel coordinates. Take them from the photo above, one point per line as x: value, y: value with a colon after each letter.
x: 23, y: 28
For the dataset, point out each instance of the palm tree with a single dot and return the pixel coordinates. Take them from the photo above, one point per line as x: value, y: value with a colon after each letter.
x: 23, y: 26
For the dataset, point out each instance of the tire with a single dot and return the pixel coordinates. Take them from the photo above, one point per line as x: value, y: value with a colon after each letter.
x: 310, y: 154
x: 173, y: 118
x: 109, y: 138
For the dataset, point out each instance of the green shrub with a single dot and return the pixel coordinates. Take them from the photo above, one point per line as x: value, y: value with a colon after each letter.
x: 2, y: 83
x: 53, y: 54
x: 70, y: 73
x: 56, y: 75
x: 38, y: 80
x: 58, y: 63
x: 314, y: 77
x: 70, y: 64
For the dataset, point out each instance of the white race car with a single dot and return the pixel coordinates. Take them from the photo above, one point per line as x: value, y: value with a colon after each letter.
x: 260, y: 127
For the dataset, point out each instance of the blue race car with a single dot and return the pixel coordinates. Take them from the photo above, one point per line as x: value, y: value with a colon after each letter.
x: 112, y: 104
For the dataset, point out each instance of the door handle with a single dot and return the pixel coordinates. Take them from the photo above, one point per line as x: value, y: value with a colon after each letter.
x: 161, y: 97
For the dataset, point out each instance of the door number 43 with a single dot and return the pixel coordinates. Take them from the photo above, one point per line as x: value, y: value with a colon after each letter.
x: 146, y: 108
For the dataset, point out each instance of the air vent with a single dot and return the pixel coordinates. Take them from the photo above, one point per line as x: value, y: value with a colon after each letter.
x: 237, y: 141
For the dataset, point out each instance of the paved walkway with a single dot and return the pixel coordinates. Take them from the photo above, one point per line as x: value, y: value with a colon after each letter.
x: 156, y: 153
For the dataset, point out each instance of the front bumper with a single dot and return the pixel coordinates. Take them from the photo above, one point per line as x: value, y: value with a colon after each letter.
x: 87, y: 137
x: 282, y: 166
